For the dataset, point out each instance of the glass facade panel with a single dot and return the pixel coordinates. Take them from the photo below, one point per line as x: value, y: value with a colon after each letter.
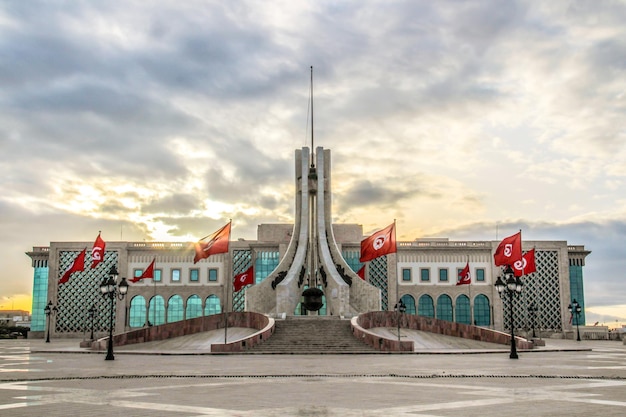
x: 352, y: 259
x: 425, y: 306
x: 40, y: 299
x: 576, y: 291
x: 158, y: 275
x: 444, y: 307
x: 482, y: 311
x: 137, y: 315
x: 266, y: 262
x: 156, y: 313
x: 175, y: 275
x: 424, y: 274
x: 194, y: 307
x: 463, y: 309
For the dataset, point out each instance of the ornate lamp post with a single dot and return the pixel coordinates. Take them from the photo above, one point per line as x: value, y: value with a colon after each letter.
x: 92, y: 313
x: 532, y: 309
x: 49, y: 309
x: 513, y: 287
x: 399, y: 308
x: 575, y: 308
x: 110, y: 288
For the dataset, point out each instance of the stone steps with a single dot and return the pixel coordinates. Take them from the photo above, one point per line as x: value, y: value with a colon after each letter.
x: 312, y: 336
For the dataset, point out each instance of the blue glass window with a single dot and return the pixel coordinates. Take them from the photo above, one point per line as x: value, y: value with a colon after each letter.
x: 194, y: 307
x: 409, y: 303
x: 482, y: 311
x: 212, y: 305
x: 444, y: 307
x: 406, y: 274
x: 480, y: 274
x: 176, y: 275
x: 175, y: 309
x: 137, y: 316
x: 194, y: 275
x: 425, y: 306
x: 443, y: 274
x: 156, y: 311
x: 212, y: 274
x: 425, y: 274
x: 463, y: 309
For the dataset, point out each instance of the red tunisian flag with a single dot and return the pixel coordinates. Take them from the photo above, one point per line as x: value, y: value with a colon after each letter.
x: 379, y: 244
x: 148, y: 273
x: 526, y: 265
x: 216, y: 243
x: 361, y: 273
x: 97, y: 252
x: 509, y: 250
x: 243, y: 279
x: 77, y: 265
x: 464, y: 276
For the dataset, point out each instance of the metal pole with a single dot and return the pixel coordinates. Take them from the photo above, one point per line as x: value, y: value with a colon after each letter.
x: 513, y: 354
x: 48, y: 333
x: 110, y: 356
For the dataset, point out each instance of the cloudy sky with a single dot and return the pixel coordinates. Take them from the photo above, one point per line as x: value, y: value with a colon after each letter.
x: 460, y: 119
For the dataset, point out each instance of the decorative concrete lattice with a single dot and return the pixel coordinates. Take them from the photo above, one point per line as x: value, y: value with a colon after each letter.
x: 242, y: 260
x: 543, y: 288
x: 75, y: 297
x: 378, y: 278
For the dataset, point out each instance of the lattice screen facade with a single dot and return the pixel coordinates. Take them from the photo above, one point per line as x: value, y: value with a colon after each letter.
x: 81, y: 292
x: 378, y: 277
x: 242, y: 260
x: 542, y: 288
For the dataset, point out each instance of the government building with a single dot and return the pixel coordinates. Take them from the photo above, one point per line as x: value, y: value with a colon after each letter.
x: 288, y: 259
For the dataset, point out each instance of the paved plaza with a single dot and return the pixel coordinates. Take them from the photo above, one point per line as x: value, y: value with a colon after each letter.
x: 564, y: 378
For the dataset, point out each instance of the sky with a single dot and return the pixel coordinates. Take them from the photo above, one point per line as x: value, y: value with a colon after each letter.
x: 470, y: 120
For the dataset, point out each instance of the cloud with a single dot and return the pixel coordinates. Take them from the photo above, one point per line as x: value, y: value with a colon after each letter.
x: 167, y: 120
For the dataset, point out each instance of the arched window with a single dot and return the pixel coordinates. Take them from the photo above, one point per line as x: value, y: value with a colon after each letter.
x: 409, y: 303
x: 137, y: 315
x: 194, y: 307
x: 175, y: 309
x: 425, y: 306
x: 444, y: 307
x: 156, y: 311
x: 482, y: 310
x: 463, y: 309
x: 212, y: 305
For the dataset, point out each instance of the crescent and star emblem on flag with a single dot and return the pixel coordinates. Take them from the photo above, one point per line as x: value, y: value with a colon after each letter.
x: 243, y: 278
x: 508, y: 249
x: 520, y: 265
x: 379, y: 242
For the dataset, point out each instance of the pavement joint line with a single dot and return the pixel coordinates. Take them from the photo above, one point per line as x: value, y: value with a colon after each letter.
x: 402, y: 376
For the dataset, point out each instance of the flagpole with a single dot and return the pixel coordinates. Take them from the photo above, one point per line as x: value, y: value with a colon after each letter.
x: 469, y: 295
x: 226, y: 314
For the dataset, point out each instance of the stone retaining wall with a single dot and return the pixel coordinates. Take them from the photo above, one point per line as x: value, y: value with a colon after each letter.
x: 363, y: 322
x: 261, y: 322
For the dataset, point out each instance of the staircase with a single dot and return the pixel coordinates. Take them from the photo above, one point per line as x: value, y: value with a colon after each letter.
x: 312, y: 335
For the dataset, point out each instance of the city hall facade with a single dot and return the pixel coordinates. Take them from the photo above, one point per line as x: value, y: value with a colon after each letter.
x: 290, y: 258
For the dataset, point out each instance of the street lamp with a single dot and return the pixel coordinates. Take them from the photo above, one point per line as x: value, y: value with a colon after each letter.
x: 532, y: 309
x: 110, y: 288
x: 399, y: 308
x: 92, y: 313
x: 575, y: 308
x: 513, y: 287
x: 49, y: 309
